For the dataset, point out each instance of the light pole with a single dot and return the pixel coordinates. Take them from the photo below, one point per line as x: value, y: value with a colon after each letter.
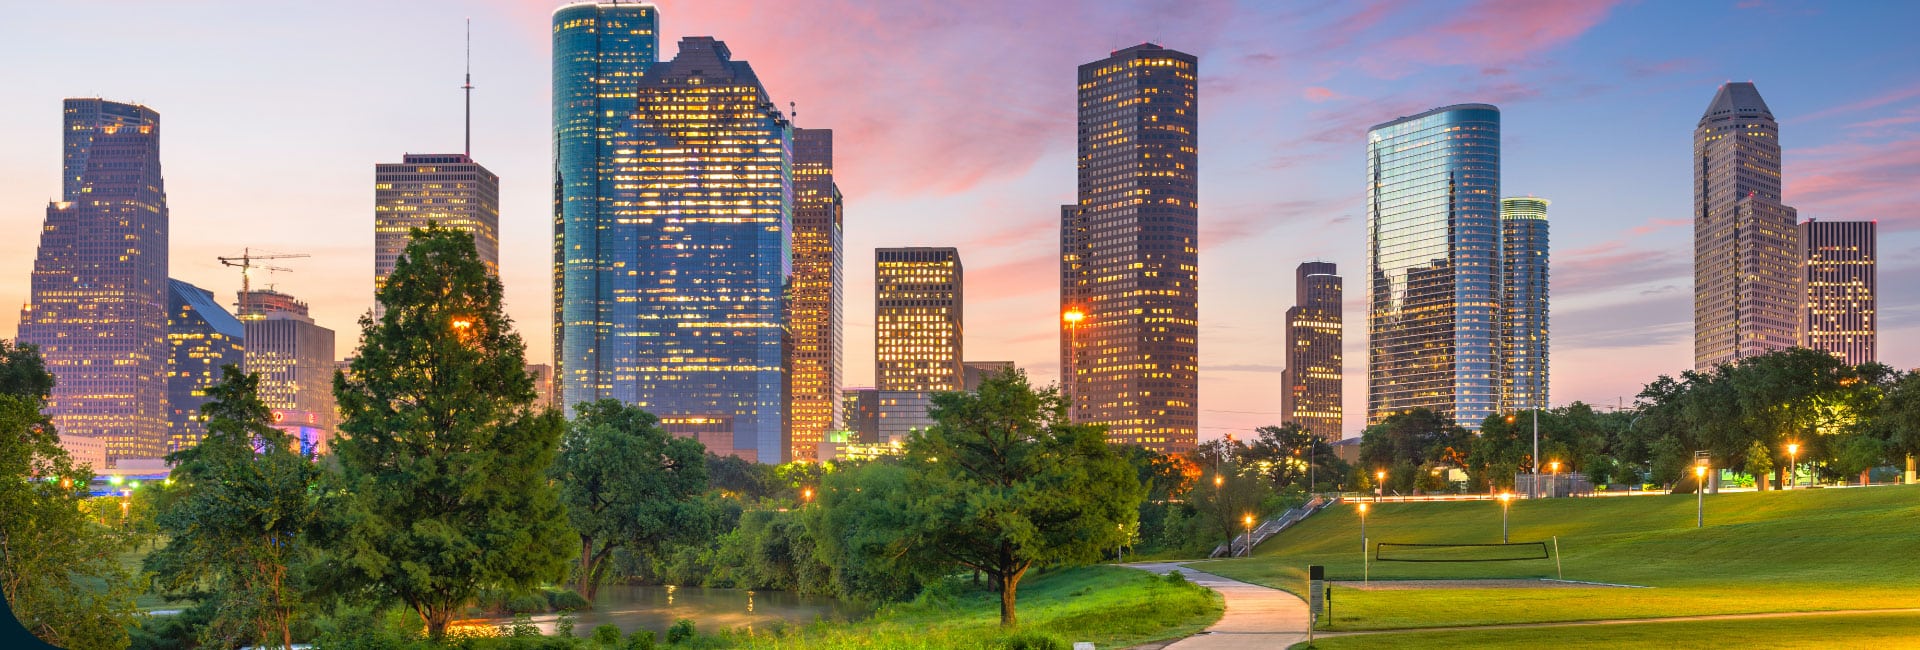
x: 1506, y: 499
x: 1534, y: 485
x: 1071, y: 374
x: 1248, y: 520
x: 1793, y: 464
x: 1553, y: 479
x: 1700, y: 511
x: 1366, y: 565
x: 1379, y: 486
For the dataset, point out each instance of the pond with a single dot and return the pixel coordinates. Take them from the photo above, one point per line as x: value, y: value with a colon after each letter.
x: 636, y: 607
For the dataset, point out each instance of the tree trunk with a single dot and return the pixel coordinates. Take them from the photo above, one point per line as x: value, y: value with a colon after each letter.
x: 1865, y: 475
x: 1009, y: 589
x: 436, y: 618
x: 1760, y: 480
x: 585, y: 586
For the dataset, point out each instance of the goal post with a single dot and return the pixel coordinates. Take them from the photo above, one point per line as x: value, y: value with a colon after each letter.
x: 1507, y: 552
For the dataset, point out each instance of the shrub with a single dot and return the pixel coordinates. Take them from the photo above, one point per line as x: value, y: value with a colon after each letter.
x: 522, y: 627
x: 563, y: 625
x: 566, y: 600
x: 1033, y: 641
x: 1175, y: 577
x: 681, y: 631
x: 606, y: 635
x: 526, y: 603
x: 640, y: 640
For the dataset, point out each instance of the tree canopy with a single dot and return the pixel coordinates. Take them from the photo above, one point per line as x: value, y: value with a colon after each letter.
x: 626, y: 483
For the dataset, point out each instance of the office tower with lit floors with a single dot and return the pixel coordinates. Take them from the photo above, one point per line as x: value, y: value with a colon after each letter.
x: 450, y: 190
x: 1129, y: 251
x: 918, y: 340
x: 204, y: 338
x: 294, y: 358
x: 817, y: 303
x: 97, y: 306
x: 600, y: 52
x: 1523, y: 304
x: 1433, y: 264
x: 1839, y: 261
x: 693, y: 302
x: 1746, y: 272
x: 1312, y: 378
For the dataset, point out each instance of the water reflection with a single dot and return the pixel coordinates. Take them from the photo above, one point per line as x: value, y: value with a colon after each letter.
x: 655, y: 608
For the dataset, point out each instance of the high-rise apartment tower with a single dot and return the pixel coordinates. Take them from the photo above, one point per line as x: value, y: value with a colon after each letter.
x: 1523, y: 304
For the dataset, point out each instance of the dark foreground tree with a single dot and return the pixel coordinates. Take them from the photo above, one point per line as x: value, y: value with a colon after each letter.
x: 50, y: 547
x: 1004, y: 482
x: 626, y: 483
x: 237, y: 519
x: 443, y: 463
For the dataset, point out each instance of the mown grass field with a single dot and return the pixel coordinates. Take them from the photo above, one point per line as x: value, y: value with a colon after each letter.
x: 1839, y: 631
x: 1110, y: 606
x: 1805, y: 550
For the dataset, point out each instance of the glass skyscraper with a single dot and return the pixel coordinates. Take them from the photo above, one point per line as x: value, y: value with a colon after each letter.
x: 1433, y: 264
x: 98, y: 303
x: 204, y: 338
x: 695, y: 259
x: 600, y: 52
x: 1523, y: 304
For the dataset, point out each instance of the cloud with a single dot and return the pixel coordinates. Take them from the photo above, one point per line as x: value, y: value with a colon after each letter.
x: 1856, y: 180
x: 1894, y: 96
x: 1317, y: 94
x: 1489, y: 34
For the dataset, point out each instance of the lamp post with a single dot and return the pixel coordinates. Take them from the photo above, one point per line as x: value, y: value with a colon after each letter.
x: 1506, y: 500
x: 1248, y: 520
x: 1379, y: 485
x: 1070, y: 375
x: 1793, y: 457
x: 1553, y: 479
x: 1366, y: 565
x: 1700, y: 511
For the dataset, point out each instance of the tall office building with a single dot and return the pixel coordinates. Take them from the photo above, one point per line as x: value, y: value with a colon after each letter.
x: 1312, y: 379
x: 204, y: 338
x: 448, y: 189
x: 294, y: 358
x: 600, y: 52
x: 1746, y: 276
x: 1837, y: 313
x: 817, y: 304
x: 974, y: 373
x: 1433, y: 264
x: 1129, y: 250
x: 690, y: 320
x: 917, y: 319
x: 98, y: 302
x: 1523, y: 304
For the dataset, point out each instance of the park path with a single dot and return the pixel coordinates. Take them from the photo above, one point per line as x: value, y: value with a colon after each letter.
x: 1256, y: 616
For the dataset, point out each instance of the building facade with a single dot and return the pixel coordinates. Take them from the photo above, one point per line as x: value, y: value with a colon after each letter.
x: 1746, y: 273
x: 97, y: 306
x: 860, y: 412
x: 204, y: 337
x: 1523, y: 304
x: 973, y: 373
x: 447, y: 189
x: 1839, y: 273
x: 818, y: 302
x: 1129, y: 250
x: 294, y: 358
x: 1433, y: 264
x: 1312, y: 379
x: 600, y: 52
x: 918, y: 319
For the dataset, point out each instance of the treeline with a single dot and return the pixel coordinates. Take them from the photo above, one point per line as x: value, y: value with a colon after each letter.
x: 1837, y: 422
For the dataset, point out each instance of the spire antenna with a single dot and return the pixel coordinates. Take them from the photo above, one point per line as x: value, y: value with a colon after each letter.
x: 468, y: 87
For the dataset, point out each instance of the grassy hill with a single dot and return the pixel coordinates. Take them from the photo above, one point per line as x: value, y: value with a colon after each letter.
x: 1805, y: 550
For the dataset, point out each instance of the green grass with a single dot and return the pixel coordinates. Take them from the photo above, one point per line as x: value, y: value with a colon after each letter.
x: 1835, y: 631
x: 1806, y: 550
x: 1109, y: 606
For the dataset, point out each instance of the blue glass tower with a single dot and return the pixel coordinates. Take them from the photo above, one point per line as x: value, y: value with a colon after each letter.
x: 600, y: 52
x: 1434, y: 264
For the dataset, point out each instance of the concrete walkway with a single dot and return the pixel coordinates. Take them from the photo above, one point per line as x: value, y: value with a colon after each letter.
x: 1256, y: 617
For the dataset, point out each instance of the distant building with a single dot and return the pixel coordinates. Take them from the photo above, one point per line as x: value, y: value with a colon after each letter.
x: 978, y: 371
x: 294, y: 358
x: 860, y: 408
x: 1130, y: 251
x: 1312, y: 380
x: 1524, y: 379
x: 903, y: 413
x: 840, y: 446
x: 97, y: 307
x: 1839, y: 264
x: 818, y: 302
x: 446, y: 189
x: 715, y: 433
x: 1746, y: 273
x: 918, y: 320
x: 85, y: 451
x: 204, y: 338
x: 542, y: 375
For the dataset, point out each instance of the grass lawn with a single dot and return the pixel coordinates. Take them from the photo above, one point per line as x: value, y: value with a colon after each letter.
x: 1805, y: 550
x: 1837, y: 631
x: 1110, y: 606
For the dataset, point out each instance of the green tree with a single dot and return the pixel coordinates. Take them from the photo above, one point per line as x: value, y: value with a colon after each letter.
x: 857, y: 526
x: 1896, y: 419
x: 50, y: 547
x: 237, y: 519
x: 626, y: 483
x: 1405, y: 442
x: 1005, y: 482
x: 1289, y: 456
x: 443, y: 464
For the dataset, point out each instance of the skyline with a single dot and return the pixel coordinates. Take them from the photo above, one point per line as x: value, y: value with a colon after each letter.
x: 1847, y: 145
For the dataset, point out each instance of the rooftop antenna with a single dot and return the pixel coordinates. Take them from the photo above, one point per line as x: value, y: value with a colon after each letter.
x: 468, y: 87
x: 793, y: 113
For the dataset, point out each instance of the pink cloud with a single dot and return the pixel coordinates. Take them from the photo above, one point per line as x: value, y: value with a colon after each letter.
x: 1856, y: 180
x: 1317, y: 94
x: 1883, y: 99
x: 1490, y: 34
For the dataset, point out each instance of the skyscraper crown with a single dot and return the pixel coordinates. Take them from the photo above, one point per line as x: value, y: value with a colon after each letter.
x: 1737, y: 98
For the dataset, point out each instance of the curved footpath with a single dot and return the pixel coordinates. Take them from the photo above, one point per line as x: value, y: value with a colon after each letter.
x: 1256, y: 616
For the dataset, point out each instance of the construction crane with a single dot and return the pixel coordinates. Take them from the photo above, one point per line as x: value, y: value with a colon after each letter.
x: 246, y: 263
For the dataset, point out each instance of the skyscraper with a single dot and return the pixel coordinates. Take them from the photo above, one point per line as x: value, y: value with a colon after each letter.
x: 600, y: 52
x: 1129, y: 250
x: 294, y: 358
x: 1312, y: 379
x: 98, y: 303
x: 1837, y: 314
x: 1433, y: 264
x: 917, y: 319
x: 690, y: 319
x: 1523, y: 304
x: 204, y: 338
x: 1746, y: 276
x: 817, y: 304
x: 448, y: 189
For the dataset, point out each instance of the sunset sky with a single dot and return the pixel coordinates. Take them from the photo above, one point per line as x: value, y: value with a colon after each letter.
x: 954, y: 126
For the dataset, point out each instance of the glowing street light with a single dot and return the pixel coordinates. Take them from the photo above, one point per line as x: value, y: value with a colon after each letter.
x: 1379, y: 485
x: 1072, y: 317
x: 1366, y: 565
x: 806, y: 495
x: 1218, y: 481
x: 1553, y: 479
x: 1700, y: 511
x: 1506, y: 500
x: 1248, y: 520
x: 1793, y: 456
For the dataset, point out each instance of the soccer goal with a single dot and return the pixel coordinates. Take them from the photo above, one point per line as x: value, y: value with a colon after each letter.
x: 1508, y: 552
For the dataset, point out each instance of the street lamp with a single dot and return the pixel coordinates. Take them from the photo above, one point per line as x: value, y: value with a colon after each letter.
x: 1218, y: 481
x: 1793, y: 453
x: 1248, y: 520
x: 1379, y: 486
x: 1700, y: 488
x: 806, y: 495
x: 1506, y: 500
x: 1553, y: 479
x: 1366, y: 566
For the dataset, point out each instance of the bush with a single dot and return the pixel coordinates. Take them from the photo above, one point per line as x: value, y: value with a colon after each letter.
x: 526, y: 604
x: 640, y: 640
x: 681, y: 631
x: 1034, y: 641
x: 607, y: 635
x: 566, y: 600
x: 1175, y: 577
x: 522, y: 627
x: 563, y: 625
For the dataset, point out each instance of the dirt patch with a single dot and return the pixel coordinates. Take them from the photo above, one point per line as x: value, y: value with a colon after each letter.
x: 1537, y: 583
